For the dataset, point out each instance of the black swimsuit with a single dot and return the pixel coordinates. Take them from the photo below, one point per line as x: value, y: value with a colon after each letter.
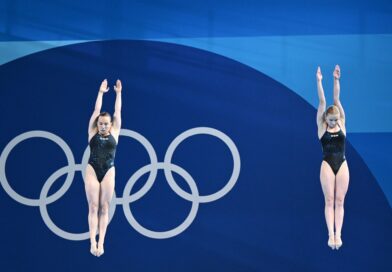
x: 102, y: 153
x: 333, y: 144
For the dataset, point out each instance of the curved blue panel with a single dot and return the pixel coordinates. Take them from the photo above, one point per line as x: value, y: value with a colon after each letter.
x: 375, y: 149
x: 271, y: 220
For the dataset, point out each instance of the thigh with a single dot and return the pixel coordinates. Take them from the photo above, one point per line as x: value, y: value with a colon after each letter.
x: 342, y: 180
x: 327, y: 178
x: 91, y: 185
x: 107, y: 186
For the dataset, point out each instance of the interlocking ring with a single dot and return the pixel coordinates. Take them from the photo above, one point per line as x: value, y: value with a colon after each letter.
x: 127, y: 198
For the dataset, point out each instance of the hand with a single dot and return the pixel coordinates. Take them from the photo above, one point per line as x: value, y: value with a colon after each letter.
x: 336, y: 72
x: 118, y: 86
x: 319, y: 76
x: 104, y: 86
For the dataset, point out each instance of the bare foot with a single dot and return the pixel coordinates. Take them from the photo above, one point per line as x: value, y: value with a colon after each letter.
x: 93, y: 249
x: 338, y: 241
x: 100, y: 250
x: 331, y: 241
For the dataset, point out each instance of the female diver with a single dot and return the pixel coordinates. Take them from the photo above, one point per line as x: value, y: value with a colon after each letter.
x: 334, y: 174
x: 103, y: 137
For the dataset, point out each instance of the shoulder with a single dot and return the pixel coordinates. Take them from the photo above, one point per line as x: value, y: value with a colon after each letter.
x: 115, y: 134
x: 321, y: 129
x: 342, y: 126
x: 92, y: 134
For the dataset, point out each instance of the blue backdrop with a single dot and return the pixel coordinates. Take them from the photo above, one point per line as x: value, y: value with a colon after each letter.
x: 243, y: 70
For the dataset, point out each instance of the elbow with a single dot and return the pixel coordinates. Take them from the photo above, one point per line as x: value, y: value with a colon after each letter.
x: 117, y: 114
x: 322, y: 102
x: 117, y: 109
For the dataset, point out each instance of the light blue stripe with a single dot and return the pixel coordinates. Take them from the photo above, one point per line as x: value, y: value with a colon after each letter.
x: 10, y: 51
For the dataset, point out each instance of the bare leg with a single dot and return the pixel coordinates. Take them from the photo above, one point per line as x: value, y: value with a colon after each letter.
x: 327, y: 178
x: 107, y: 190
x: 91, y: 185
x: 342, y: 181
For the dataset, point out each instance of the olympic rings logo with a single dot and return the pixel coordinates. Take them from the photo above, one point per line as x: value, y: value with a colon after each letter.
x: 127, y: 198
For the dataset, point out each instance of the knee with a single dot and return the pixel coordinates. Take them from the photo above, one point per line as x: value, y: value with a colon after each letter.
x: 329, y: 201
x: 104, y: 209
x: 339, y: 201
x: 93, y: 207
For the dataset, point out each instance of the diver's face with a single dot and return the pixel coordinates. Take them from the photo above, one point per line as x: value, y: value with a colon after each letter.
x: 332, y: 120
x: 104, y: 124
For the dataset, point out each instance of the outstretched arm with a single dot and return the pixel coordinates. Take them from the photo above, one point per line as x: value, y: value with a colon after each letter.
x: 117, y: 107
x: 322, y: 103
x: 98, y: 104
x: 336, y: 93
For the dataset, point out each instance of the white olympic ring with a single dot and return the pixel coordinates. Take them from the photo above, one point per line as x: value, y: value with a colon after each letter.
x: 127, y: 198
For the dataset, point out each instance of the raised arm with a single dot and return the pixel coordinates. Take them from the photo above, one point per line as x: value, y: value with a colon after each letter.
x: 322, y: 103
x: 98, y: 104
x: 117, y: 108
x: 336, y: 93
